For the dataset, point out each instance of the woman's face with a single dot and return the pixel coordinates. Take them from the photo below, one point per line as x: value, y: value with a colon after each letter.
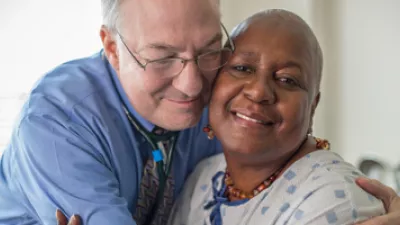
x: 264, y: 98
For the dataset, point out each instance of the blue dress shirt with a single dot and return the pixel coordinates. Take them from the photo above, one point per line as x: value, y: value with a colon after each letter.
x: 73, y: 148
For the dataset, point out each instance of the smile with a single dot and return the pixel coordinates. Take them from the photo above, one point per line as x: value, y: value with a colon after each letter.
x: 252, y: 119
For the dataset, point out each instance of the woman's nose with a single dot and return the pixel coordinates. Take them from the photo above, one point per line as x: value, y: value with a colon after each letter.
x: 260, y: 90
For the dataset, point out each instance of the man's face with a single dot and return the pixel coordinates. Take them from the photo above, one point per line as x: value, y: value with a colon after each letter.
x: 161, y: 29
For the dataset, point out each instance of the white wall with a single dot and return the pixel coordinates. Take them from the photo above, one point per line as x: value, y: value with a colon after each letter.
x: 367, y: 56
x: 38, y: 35
x: 234, y: 11
x: 35, y: 37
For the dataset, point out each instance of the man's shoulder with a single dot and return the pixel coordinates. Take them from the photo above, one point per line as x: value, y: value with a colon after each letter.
x: 83, y: 81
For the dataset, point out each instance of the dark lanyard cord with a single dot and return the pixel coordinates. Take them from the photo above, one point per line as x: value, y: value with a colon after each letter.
x: 159, y: 163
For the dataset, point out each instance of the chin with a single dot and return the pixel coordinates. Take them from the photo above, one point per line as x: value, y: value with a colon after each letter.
x: 179, y: 122
x: 245, y: 151
x: 245, y: 156
x: 244, y: 146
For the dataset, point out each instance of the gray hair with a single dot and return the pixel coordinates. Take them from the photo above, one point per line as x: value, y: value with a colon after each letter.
x: 110, y: 12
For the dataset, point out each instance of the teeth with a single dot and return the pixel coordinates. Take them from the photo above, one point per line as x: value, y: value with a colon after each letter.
x: 248, y: 118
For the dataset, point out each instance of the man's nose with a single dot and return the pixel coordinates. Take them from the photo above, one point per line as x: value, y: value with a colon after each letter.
x: 190, y: 80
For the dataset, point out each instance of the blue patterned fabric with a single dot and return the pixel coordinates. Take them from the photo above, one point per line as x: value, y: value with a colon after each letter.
x: 305, y: 194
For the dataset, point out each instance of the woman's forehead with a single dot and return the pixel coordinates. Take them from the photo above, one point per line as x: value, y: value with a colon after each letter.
x: 267, y: 40
x: 280, y: 31
x: 275, y: 46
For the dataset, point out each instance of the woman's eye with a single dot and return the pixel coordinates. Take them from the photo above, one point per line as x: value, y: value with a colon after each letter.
x: 287, y: 81
x: 244, y: 69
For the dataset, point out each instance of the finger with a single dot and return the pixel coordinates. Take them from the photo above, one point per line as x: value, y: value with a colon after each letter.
x: 377, y: 189
x: 61, y: 219
x: 75, y: 220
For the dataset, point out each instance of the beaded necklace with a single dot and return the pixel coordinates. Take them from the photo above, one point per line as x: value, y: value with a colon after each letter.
x: 232, y: 191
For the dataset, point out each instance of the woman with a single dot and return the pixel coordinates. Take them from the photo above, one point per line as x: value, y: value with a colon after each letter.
x: 272, y: 170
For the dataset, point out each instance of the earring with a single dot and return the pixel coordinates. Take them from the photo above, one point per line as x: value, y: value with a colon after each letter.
x: 208, y: 130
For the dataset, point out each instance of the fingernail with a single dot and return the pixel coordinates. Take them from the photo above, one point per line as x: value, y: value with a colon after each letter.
x: 72, y: 220
x: 58, y: 214
x: 364, y: 178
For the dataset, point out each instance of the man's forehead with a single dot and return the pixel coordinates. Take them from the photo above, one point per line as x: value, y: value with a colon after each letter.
x: 165, y: 29
x: 164, y: 11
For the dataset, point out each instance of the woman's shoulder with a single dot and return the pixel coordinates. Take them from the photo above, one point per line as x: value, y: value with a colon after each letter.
x: 328, y: 164
x: 208, y: 167
x: 324, y: 175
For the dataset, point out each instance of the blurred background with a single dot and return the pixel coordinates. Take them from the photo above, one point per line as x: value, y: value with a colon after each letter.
x: 359, y: 111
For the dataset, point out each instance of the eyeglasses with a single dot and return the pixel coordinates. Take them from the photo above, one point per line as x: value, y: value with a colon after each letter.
x: 168, y: 67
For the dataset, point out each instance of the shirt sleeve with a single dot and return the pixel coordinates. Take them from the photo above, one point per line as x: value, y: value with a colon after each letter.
x: 336, y: 203
x: 61, y: 164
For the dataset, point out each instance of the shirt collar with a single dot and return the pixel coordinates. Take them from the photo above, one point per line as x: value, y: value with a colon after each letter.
x: 145, y: 123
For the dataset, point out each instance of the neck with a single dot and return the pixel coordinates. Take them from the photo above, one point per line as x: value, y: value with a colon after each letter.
x: 248, y: 176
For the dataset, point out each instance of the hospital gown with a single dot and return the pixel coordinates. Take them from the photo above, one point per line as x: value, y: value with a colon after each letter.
x: 317, y: 189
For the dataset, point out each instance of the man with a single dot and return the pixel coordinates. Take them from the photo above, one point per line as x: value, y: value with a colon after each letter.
x: 88, y: 138
x: 78, y: 144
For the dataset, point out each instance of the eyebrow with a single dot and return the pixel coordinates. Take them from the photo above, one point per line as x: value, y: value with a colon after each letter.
x: 170, y: 48
x: 249, y: 55
x: 256, y: 57
x: 160, y: 46
x: 289, y: 64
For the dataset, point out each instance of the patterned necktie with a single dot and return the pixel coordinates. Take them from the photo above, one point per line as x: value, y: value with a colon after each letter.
x: 149, y: 188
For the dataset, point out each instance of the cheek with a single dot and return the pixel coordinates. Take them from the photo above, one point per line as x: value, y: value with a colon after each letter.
x: 225, y: 90
x: 153, y: 85
x: 140, y: 82
x: 216, y: 107
x: 135, y: 79
x: 220, y: 92
x: 295, y: 113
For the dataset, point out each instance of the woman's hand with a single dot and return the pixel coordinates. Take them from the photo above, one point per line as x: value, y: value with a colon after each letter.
x: 62, y: 219
x: 389, y: 197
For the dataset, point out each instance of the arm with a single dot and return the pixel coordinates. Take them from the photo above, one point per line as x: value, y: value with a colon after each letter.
x: 61, y: 164
x: 336, y: 203
x: 390, y: 199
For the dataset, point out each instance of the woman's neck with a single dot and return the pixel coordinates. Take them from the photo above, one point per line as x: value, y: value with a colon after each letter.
x: 248, y: 176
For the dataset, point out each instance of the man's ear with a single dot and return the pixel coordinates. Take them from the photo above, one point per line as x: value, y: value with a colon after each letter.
x: 313, y: 108
x: 110, y: 47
